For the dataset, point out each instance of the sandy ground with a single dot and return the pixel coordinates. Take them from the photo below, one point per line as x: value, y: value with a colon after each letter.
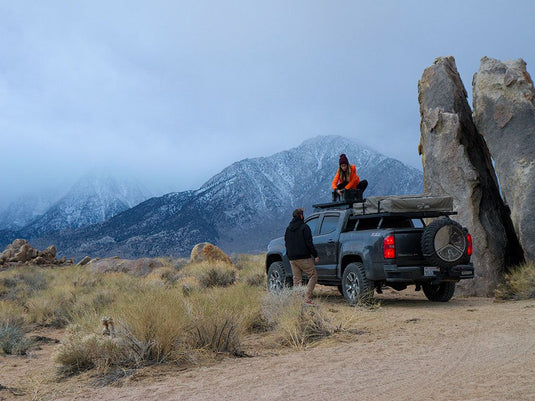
x: 408, y: 349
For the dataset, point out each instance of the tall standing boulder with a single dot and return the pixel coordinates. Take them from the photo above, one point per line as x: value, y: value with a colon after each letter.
x: 456, y: 162
x: 504, y: 114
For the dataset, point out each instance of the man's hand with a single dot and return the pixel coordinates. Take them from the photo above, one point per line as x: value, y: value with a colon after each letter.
x: 316, y: 259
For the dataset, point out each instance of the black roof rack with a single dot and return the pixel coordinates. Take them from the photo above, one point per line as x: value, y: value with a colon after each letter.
x: 333, y: 205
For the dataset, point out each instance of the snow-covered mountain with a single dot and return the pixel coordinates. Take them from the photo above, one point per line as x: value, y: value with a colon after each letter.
x: 241, y: 208
x: 26, y: 208
x: 94, y: 198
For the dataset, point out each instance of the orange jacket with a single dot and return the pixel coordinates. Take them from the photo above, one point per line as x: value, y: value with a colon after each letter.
x: 353, y: 179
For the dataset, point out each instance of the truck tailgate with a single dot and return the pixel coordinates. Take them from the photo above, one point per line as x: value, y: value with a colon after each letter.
x: 408, y: 247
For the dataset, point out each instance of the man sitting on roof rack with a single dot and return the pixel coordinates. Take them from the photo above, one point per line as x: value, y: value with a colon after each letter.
x: 346, y: 183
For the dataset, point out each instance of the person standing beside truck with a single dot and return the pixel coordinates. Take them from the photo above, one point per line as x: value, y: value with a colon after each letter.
x: 346, y: 178
x: 300, y: 250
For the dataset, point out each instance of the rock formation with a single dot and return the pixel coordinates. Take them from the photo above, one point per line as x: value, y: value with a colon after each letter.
x: 504, y: 114
x: 208, y: 252
x: 456, y: 162
x: 19, y: 252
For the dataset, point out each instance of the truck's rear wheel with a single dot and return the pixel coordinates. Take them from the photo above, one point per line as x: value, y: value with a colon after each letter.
x: 277, y: 278
x: 444, y: 243
x: 355, y: 285
x: 439, y: 292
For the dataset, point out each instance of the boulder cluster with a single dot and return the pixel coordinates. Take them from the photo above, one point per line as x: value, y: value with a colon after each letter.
x: 484, y: 159
x: 19, y: 252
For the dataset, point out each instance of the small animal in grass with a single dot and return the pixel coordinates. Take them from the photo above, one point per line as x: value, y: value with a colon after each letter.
x: 108, y: 327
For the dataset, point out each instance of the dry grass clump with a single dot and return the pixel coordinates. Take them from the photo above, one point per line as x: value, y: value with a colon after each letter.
x: 81, y: 352
x: 21, y: 283
x: 211, y: 274
x: 165, y: 276
x: 189, y: 285
x: 152, y: 324
x: 221, y: 316
x: 518, y: 284
x: 296, y: 323
x: 13, y: 340
x: 251, y: 268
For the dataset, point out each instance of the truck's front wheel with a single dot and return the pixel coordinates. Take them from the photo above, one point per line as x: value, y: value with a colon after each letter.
x: 355, y: 285
x: 439, y: 292
x: 277, y: 278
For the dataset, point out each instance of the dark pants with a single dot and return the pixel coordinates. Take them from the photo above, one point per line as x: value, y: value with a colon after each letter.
x: 350, y: 194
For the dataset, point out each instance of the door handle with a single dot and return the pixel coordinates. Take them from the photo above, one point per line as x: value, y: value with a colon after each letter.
x: 331, y: 242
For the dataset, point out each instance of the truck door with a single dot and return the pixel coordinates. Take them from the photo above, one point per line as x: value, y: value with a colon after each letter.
x: 326, y: 243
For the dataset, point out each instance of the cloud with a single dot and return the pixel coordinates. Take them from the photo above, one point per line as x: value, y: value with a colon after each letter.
x: 176, y: 91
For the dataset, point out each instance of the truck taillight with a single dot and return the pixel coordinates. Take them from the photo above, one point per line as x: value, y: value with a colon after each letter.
x: 389, y: 247
x: 469, y: 241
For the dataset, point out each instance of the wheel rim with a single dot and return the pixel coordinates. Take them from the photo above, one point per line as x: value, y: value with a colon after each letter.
x: 352, y: 287
x: 275, y: 281
x: 449, y: 243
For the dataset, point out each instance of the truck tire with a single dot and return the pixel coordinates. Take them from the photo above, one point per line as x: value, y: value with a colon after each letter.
x: 277, y: 278
x: 444, y: 243
x: 439, y: 292
x: 355, y: 285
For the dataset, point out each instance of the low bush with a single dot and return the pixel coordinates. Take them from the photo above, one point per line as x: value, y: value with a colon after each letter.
x: 518, y: 284
x: 80, y: 352
x: 152, y: 324
x: 296, y: 323
x: 211, y: 274
x: 21, y: 283
x: 13, y: 340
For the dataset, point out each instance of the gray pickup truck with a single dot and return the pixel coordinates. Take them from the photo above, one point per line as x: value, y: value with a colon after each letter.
x: 393, y: 241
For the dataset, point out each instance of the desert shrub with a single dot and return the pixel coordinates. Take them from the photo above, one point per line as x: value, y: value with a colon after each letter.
x: 165, y: 275
x: 189, y: 285
x: 296, y: 323
x: 152, y: 325
x: 221, y: 316
x: 21, y: 283
x: 519, y: 283
x: 81, y: 352
x: 251, y: 268
x: 211, y: 274
x: 51, y: 308
x: 13, y: 340
x: 215, y: 325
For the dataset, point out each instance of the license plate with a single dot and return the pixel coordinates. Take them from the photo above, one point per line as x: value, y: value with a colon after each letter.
x: 466, y: 273
x: 430, y: 271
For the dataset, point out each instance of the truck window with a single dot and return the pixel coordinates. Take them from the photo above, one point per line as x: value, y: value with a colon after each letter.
x: 396, y: 222
x: 312, y: 223
x: 351, y: 223
x: 329, y: 224
x: 367, y: 224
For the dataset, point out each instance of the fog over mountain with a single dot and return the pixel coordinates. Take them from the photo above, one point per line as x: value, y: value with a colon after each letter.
x: 239, y: 209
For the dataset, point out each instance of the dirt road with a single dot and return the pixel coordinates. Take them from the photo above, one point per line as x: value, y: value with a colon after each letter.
x: 408, y: 349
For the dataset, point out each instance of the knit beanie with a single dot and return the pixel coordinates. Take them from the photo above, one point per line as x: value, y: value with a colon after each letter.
x: 343, y: 159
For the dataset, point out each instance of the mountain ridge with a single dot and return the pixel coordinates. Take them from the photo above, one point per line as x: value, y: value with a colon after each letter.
x: 239, y: 209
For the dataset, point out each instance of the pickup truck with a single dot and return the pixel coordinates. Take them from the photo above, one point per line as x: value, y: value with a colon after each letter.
x: 393, y: 241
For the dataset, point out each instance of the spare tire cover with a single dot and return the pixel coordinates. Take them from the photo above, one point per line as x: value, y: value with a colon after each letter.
x: 444, y: 243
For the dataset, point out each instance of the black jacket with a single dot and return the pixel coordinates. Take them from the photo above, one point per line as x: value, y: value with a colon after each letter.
x: 298, y: 240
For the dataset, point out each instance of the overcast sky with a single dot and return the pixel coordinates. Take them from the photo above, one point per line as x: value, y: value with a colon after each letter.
x: 171, y: 92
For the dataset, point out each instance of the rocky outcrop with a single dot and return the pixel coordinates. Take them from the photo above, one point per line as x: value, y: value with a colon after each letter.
x: 504, y: 114
x: 19, y: 252
x: 456, y: 162
x: 209, y: 253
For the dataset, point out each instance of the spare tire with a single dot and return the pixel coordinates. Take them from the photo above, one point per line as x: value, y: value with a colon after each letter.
x: 444, y: 243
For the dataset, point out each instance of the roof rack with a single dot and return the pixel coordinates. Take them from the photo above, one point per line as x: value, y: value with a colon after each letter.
x: 333, y: 205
